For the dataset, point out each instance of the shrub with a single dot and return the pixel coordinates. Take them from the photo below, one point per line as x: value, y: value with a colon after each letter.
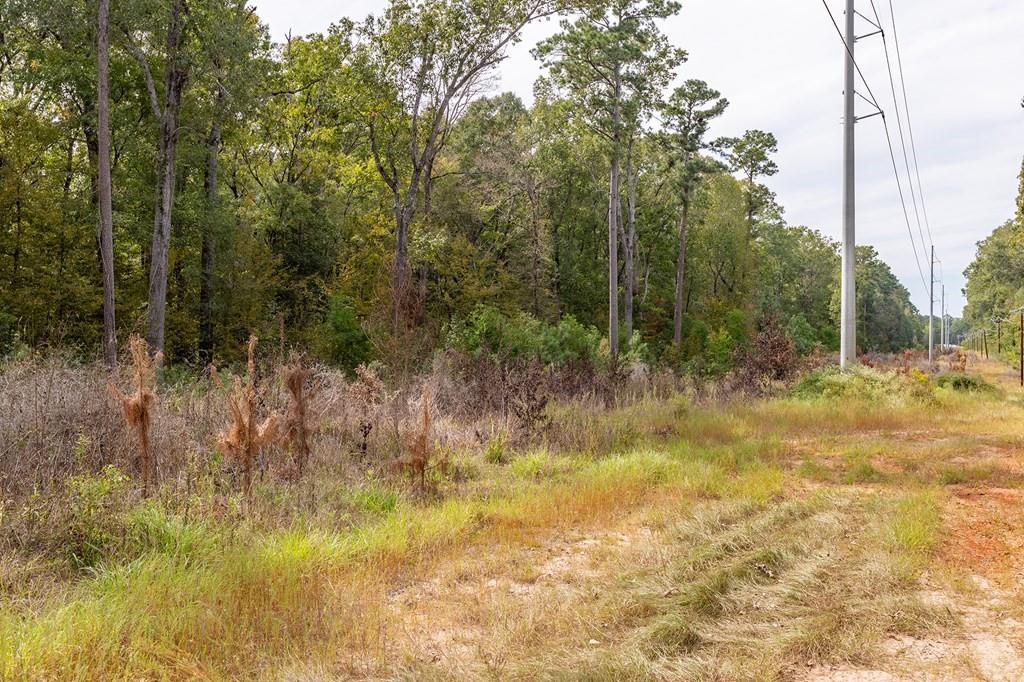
x: 772, y: 357
x: 968, y: 383
x: 522, y: 337
x: 720, y: 349
x: 92, y: 520
x: 862, y: 383
x: 138, y: 407
x: 244, y: 438
x: 8, y: 332
x: 296, y: 423
x: 570, y: 341
x: 342, y: 341
x: 804, y: 337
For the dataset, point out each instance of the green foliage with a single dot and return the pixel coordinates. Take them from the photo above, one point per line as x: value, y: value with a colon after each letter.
x: 864, y: 384
x: 524, y: 337
x: 93, y: 517
x: 887, y: 321
x: 149, y: 528
x: 720, y: 349
x: 802, y: 333
x: 288, y: 212
x: 8, y: 332
x: 496, y: 451
x: 373, y: 498
x: 342, y: 340
x: 968, y: 383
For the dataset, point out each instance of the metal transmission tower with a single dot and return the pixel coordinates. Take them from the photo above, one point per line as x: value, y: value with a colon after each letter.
x: 848, y: 287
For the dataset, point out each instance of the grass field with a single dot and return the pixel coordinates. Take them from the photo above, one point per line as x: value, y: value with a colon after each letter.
x: 858, y: 536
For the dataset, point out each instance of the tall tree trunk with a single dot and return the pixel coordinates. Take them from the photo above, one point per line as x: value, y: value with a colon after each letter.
x: 613, y: 223
x: 103, y: 184
x: 677, y: 317
x: 206, y: 276
x: 628, y: 232
x: 534, y: 197
x: 400, y: 276
x: 751, y: 208
x: 176, y: 74
x: 556, y: 280
x: 404, y: 212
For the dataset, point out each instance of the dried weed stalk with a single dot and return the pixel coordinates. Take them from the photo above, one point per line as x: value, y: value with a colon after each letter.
x: 419, y: 448
x: 244, y: 437
x: 366, y: 394
x: 296, y: 423
x: 138, y: 407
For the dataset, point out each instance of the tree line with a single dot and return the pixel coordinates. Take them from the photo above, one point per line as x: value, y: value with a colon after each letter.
x: 166, y: 168
x: 995, y: 279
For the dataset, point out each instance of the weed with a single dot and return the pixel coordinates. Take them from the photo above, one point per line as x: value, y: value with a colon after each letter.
x: 296, y: 426
x: 496, y: 451
x: 138, y: 407
x: 244, y: 437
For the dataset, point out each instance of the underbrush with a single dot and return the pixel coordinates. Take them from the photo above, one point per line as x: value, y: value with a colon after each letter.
x: 208, y: 578
x: 966, y: 383
x: 209, y: 595
x: 866, y: 384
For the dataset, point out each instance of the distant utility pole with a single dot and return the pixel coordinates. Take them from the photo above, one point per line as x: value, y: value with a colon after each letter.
x: 931, y: 309
x: 848, y: 295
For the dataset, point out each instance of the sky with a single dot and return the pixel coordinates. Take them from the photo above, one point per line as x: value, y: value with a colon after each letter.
x: 780, y: 64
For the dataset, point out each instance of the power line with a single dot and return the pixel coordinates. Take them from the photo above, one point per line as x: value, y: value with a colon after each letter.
x: 906, y: 106
x: 892, y: 151
x: 839, y: 32
x: 899, y: 124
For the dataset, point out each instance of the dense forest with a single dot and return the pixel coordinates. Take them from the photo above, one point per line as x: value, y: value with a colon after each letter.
x: 363, y: 193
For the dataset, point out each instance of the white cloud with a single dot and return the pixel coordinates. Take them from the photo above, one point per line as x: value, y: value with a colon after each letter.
x: 780, y: 65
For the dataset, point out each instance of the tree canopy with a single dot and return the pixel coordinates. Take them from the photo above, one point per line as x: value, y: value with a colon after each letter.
x: 362, y: 191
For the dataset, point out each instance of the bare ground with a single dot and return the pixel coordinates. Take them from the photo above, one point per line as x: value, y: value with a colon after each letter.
x: 474, y: 615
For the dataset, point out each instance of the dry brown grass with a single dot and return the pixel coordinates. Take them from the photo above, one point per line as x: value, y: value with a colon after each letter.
x: 657, y: 540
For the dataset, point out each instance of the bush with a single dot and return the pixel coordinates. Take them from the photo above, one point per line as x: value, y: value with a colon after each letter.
x: 522, y: 337
x: 804, y: 337
x: 8, y: 332
x: 772, y: 357
x: 342, y: 341
x: 863, y: 383
x: 93, y: 518
x: 968, y: 383
x: 721, y: 347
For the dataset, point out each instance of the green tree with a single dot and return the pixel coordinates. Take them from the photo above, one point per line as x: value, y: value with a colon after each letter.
x: 687, y: 115
x: 421, y: 64
x: 611, y: 63
x: 751, y: 156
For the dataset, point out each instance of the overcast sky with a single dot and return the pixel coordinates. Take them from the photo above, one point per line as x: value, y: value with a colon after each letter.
x: 780, y: 66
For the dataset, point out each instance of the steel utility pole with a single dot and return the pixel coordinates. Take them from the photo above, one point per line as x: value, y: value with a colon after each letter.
x: 848, y: 295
